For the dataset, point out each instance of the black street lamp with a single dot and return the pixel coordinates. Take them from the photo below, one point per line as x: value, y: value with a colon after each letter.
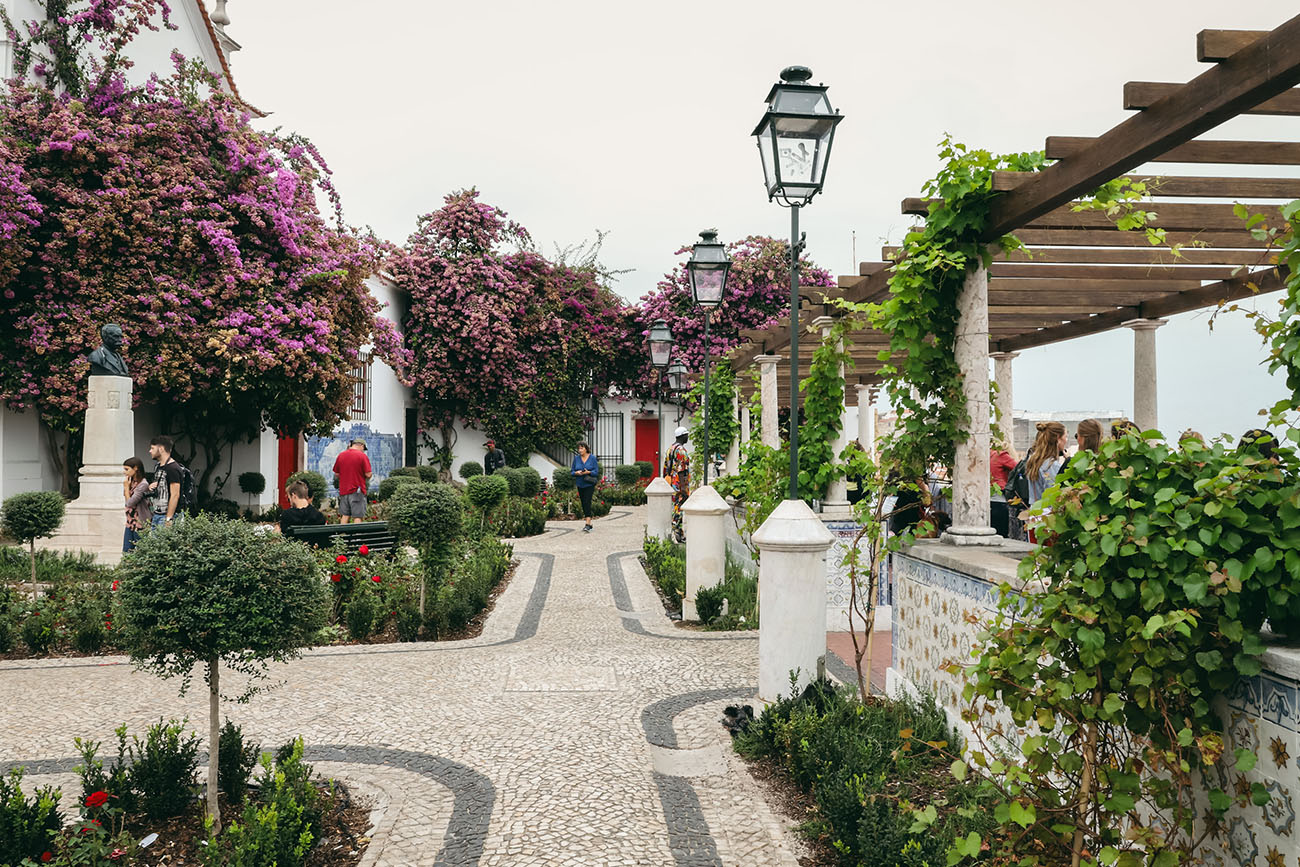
x: 661, y: 350
x: 678, y: 377
x: 707, y: 270
x: 794, y: 141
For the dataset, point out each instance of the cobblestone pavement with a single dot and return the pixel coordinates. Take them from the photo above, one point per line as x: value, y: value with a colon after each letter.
x: 580, y: 728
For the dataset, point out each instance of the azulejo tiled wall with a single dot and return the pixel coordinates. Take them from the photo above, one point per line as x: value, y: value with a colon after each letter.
x: 385, y: 452
x: 937, y: 614
x: 837, y: 574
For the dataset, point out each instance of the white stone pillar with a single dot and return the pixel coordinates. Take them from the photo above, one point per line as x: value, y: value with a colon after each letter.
x: 1144, y: 372
x: 703, y: 515
x: 744, y: 423
x: 768, y: 396
x: 867, y: 419
x: 1006, y: 401
x: 836, y: 504
x: 659, y: 509
x: 792, y: 597
x: 971, y: 523
x: 733, y: 452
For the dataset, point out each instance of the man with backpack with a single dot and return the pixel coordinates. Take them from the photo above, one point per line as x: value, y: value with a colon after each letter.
x: 173, y: 484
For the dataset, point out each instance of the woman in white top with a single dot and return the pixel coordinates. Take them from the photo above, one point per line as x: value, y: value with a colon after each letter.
x: 1044, y: 460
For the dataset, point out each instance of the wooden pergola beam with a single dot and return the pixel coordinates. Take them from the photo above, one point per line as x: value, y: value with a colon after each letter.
x: 1115, y: 238
x: 1110, y: 272
x: 1139, y: 95
x: 1170, y: 216
x: 1257, y: 72
x: 1187, y: 186
x: 1126, y: 256
x: 1215, y: 46
x: 1049, y: 284
x: 1249, y: 153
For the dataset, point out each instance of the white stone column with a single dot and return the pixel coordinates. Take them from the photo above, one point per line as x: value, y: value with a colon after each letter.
x: 792, y: 597
x: 733, y: 452
x: 703, y: 515
x: 867, y: 419
x: 1006, y: 401
x: 836, y: 504
x: 971, y: 480
x: 1145, y: 414
x: 744, y: 423
x: 768, y: 396
x: 659, y: 508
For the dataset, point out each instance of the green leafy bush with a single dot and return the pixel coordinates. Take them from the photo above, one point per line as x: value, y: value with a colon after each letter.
x: 407, y: 621
x: 562, y: 479
x: 634, y: 495
x: 360, y: 615
x: 428, y: 474
x: 280, y: 826
x: 463, y: 595
x: 485, y: 493
x: 861, y: 762
x: 236, y: 761
x: 514, y: 478
x: 220, y: 507
x: 38, y: 631
x: 627, y: 475
x: 425, y: 514
x: 8, y: 618
x: 389, y: 485
x: 52, y: 567
x: 646, y: 469
x: 532, y: 481
x: 514, y: 518
x: 252, y: 483
x: 316, y: 485
x: 567, y: 505
x: 116, y: 781
x: 30, y: 516
x: 708, y: 603
x: 470, y: 469
x: 410, y: 472
x: 665, y: 563
x: 26, y: 827
x: 164, y: 769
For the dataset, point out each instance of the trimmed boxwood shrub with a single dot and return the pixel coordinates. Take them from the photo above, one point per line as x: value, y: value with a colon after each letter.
x: 425, y: 515
x: 562, y: 479
x: 26, y: 825
x: 29, y: 516
x: 515, y: 478
x: 410, y: 472
x: 393, y: 482
x: 252, y: 483
x: 428, y: 474
x: 316, y: 485
x: 532, y: 481
x: 633, y: 495
x: 647, y: 469
x: 221, y: 507
x: 487, y: 492
x: 470, y: 469
x: 627, y: 475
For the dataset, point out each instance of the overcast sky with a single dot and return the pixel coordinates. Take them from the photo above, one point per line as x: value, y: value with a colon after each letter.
x: 578, y: 117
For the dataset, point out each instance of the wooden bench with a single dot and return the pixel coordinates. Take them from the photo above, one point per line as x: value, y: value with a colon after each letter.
x: 375, y: 535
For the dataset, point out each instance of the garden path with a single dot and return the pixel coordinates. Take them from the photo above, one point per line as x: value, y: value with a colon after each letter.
x: 581, y: 727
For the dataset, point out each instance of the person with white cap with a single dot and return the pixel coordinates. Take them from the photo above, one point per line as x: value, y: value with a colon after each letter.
x: 353, y: 469
x: 677, y: 472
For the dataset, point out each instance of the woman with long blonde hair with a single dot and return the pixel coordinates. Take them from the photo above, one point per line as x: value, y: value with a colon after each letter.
x: 1089, y: 434
x: 1044, y: 460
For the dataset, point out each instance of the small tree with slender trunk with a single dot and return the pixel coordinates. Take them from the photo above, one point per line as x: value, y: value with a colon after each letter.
x: 30, y: 516
x: 213, y: 592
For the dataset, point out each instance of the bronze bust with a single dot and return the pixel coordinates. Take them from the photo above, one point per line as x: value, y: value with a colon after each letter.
x: 106, y: 360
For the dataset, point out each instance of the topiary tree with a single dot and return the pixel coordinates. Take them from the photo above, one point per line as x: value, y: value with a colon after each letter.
x: 428, y: 473
x: 647, y: 469
x: 30, y: 516
x: 627, y: 475
x: 213, y: 592
x: 532, y: 481
x: 562, y: 479
x: 485, y: 493
x: 315, y: 482
x: 428, y: 516
x: 470, y: 469
x: 252, y: 483
x: 514, y: 478
x: 389, y: 485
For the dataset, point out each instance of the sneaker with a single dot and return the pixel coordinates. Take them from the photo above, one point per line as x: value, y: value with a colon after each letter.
x: 587, y: 528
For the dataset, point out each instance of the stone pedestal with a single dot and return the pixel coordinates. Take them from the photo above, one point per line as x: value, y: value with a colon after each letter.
x: 792, y: 598
x: 770, y: 425
x: 659, y: 511
x: 96, y: 520
x: 703, y: 517
x: 1145, y: 414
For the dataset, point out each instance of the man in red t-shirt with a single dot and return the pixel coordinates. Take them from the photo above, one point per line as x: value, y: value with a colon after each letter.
x: 353, y: 469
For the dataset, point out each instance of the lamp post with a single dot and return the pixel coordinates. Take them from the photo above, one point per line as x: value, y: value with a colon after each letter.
x: 661, y: 350
x: 677, y: 376
x: 794, y: 142
x: 707, y: 270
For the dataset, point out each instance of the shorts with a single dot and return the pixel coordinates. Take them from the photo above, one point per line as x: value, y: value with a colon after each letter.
x: 353, y: 505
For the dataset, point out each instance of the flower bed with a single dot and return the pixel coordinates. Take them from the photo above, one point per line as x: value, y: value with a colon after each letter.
x: 665, y: 562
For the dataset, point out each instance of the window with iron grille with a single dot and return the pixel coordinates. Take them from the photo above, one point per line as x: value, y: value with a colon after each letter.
x: 361, y: 389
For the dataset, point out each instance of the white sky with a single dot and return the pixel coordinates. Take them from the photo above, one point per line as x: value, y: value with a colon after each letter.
x: 575, y: 117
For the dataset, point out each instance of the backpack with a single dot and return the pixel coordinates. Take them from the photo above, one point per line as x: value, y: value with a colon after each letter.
x: 1016, y: 490
x: 189, y: 497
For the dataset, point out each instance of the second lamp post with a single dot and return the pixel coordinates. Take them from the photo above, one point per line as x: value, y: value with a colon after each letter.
x: 707, y: 270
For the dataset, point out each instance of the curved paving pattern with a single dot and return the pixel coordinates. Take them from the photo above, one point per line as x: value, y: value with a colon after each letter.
x: 539, y: 730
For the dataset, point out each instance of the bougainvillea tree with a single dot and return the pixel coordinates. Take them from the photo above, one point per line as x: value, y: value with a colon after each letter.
x: 158, y: 206
x: 512, y: 343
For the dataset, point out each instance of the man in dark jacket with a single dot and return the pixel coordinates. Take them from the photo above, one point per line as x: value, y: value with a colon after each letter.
x: 494, y: 460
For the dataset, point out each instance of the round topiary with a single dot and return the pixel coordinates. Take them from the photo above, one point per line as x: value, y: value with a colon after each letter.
x: 426, y: 515
x: 29, y: 516
x: 515, y: 479
x: 427, y: 473
x: 532, y: 481
x: 252, y: 483
x: 562, y: 479
x: 393, y: 482
x: 647, y: 469
x: 487, y: 492
x: 470, y: 469
x: 410, y: 472
x: 315, y: 482
x: 627, y: 475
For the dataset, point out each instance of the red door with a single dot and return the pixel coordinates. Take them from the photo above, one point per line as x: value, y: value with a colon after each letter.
x: 287, y: 465
x: 647, y: 441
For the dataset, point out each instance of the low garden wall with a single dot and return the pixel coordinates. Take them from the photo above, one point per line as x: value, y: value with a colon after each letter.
x: 942, y: 596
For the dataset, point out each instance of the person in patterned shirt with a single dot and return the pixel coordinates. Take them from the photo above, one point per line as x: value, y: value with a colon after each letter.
x: 677, y: 472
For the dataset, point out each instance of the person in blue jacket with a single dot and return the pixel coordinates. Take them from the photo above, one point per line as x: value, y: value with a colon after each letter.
x: 586, y: 472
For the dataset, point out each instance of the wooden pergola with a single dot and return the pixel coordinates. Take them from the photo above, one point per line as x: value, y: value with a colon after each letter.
x: 1081, y: 275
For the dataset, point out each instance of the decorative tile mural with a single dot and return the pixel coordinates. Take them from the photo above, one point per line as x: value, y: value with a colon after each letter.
x: 936, y: 616
x: 837, y: 574
x: 385, y: 452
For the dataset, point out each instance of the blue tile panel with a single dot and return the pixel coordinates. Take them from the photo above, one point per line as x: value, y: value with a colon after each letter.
x: 385, y: 452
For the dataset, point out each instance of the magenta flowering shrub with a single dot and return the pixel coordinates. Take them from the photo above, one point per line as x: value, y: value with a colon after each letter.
x: 160, y: 208
x: 758, y: 293
x: 502, y: 337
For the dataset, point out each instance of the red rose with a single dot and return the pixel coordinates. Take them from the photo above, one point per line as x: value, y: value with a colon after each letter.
x: 336, y: 577
x: 363, y: 550
x: 46, y: 856
x: 114, y: 585
x: 96, y: 799
x: 375, y: 579
x: 342, y: 558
